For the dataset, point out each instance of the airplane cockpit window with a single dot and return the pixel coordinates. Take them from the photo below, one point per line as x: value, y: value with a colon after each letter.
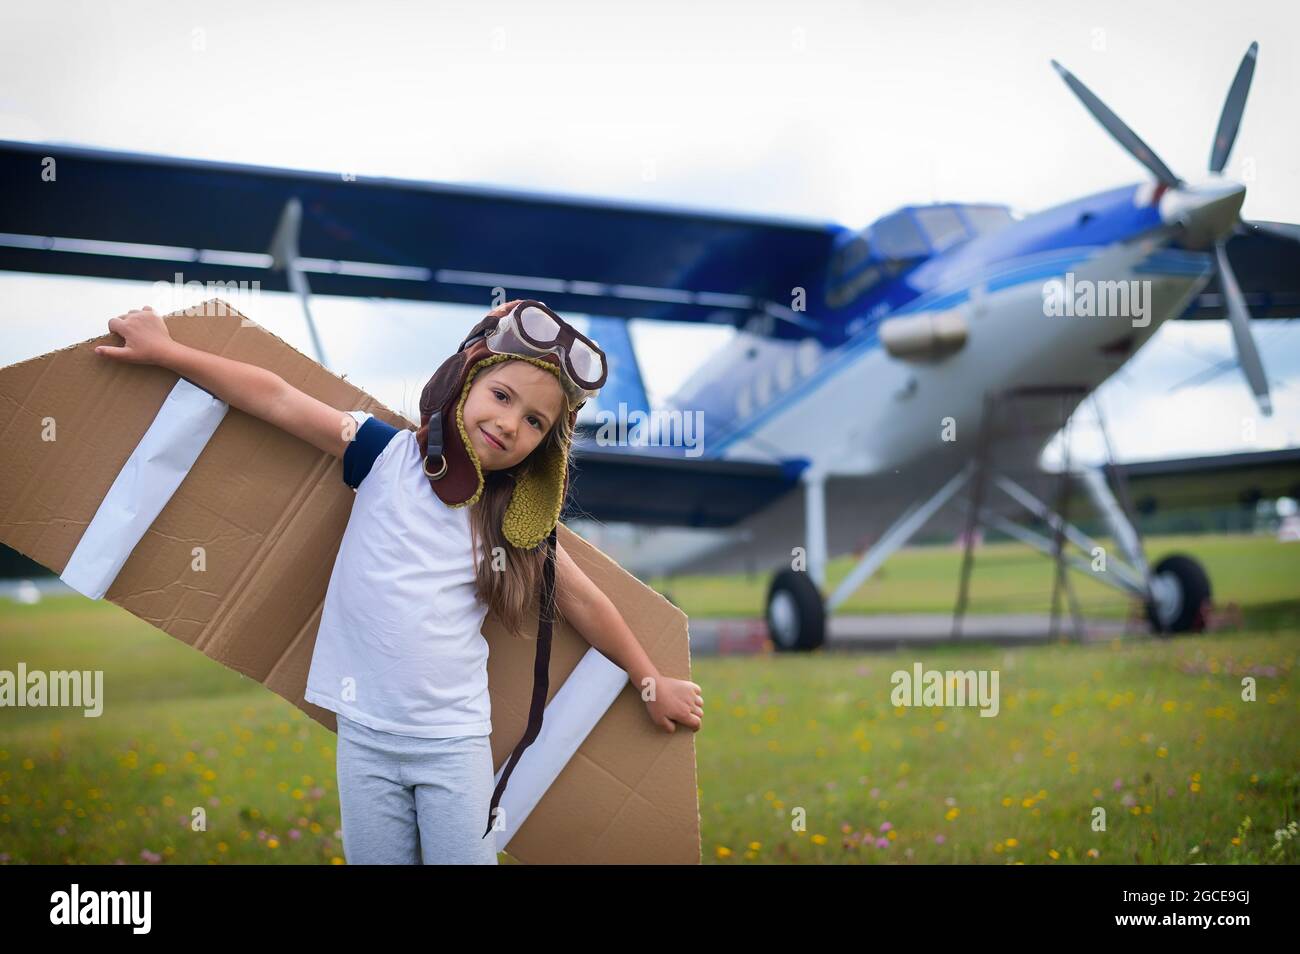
x: 898, y: 237
x: 850, y: 257
x: 984, y: 219
x: 942, y: 225
x: 893, y: 244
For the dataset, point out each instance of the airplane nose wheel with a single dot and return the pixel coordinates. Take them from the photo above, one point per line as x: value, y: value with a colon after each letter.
x: 796, y: 615
x: 1181, y: 596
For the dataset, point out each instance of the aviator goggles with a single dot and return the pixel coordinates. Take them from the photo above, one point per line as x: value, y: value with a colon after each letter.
x: 533, y: 329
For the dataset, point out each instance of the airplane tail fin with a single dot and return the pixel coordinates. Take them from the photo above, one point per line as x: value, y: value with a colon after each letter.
x: 624, y: 384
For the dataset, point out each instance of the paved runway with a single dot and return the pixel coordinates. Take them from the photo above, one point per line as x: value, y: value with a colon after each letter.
x: 856, y: 633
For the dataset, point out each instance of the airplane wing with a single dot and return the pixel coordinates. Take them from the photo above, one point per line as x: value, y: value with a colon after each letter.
x: 650, y: 487
x: 1265, y: 257
x: 858, y: 510
x: 99, y: 213
x: 1218, y: 480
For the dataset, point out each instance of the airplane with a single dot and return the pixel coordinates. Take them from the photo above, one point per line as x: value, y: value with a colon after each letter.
x: 882, y: 380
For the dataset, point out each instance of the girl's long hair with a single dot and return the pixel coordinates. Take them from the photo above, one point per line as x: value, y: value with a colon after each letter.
x: 508, y: 579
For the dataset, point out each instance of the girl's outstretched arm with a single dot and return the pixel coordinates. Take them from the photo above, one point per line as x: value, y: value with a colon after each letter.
x: 599, y: 622
x: 255, y: 390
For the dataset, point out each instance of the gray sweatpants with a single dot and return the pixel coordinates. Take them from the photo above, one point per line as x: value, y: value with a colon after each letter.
x: 409, y: 801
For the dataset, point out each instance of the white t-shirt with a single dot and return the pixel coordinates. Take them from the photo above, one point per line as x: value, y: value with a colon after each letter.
x: 400, y: 646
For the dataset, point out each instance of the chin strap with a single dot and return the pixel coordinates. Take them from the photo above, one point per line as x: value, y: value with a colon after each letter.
x: 433, y: 447
x: 433, y: 442
x: 541, y: 672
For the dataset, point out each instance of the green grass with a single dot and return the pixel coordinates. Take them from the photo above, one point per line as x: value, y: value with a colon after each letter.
x: 1256, y: 572
x: 1152, y: 725
x: 178, y: 733
x: 1131, y: 724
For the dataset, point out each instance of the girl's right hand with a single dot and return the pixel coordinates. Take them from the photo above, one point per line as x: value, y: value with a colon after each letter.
x: 145, y: 334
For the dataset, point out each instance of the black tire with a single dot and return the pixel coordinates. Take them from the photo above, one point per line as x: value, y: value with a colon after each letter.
x: 796, y: 614
x: 1194, y: 597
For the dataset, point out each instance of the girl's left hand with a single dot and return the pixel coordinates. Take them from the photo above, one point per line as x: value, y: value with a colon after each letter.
x: 676, y: 700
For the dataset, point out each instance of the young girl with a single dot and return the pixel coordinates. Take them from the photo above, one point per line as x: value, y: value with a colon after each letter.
x: 450, y: 522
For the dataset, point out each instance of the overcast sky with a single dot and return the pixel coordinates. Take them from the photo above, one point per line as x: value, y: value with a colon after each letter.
x: 839, y: 111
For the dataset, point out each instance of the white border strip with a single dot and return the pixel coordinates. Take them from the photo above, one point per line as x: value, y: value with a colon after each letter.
x: 179, y: 432
x: 574, y: 711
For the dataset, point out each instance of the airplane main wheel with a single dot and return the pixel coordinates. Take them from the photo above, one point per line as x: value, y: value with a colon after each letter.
x: 1182, y: 596
x: 796, y: 615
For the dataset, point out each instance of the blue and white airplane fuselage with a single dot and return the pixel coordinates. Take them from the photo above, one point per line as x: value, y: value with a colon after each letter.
x: 1063, y: 297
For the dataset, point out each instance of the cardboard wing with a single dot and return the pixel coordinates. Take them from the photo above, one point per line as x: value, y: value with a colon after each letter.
x: 222, y: 530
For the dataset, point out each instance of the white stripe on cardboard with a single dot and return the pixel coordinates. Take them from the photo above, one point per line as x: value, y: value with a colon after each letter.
x: 179, y: 432
x: 572, y: 713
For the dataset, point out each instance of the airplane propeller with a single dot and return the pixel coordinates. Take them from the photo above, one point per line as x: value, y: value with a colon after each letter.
x: 1233, y: 106
x: 1207, y: 214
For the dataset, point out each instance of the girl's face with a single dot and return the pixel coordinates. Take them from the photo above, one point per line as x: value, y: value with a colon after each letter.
x: 510, y: 407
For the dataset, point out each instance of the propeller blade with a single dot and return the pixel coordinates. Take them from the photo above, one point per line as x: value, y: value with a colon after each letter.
x: 1239, y: 318
x: 1116, y: 127
x: 1230, y: 118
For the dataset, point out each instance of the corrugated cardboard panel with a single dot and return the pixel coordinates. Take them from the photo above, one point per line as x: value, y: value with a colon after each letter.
x: 267, y: 513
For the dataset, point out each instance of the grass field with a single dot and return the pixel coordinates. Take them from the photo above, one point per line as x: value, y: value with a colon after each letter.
x: 1153, y: 732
